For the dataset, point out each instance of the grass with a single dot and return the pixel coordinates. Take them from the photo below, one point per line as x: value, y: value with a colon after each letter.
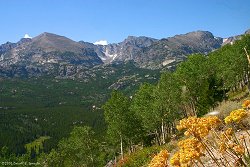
x: 233, y: 95
x: 235, y: 100
x: 225, y: 107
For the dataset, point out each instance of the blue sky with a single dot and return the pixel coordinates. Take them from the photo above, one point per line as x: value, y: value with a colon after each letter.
x: 114, y: 20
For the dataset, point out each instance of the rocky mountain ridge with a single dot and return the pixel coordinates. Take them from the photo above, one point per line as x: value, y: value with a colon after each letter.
x: 153, y: 53
x: 47, y: 54
x: 169, y: 51
x: 51, y: 54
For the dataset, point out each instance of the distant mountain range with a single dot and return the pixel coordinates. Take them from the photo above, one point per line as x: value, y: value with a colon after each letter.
x: 51, y: 54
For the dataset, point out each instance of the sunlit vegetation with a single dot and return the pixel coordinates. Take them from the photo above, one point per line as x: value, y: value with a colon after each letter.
x: 36, y: 145
x: 45, y: 106
x: 205, y: 142
x: 196, y: 87
x: 174, y: 108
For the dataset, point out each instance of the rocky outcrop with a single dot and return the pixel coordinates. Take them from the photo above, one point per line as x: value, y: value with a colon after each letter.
x: 6, y: 47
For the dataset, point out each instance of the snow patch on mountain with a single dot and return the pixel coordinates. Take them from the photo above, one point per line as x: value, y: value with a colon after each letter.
x: 109, y: 57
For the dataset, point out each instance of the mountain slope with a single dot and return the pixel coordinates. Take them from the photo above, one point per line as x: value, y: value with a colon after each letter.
x: 123, y: 51
x: 51, y: 54
x: 45, y: 54
x: 174, y: 49
x: 51, y: 42
x: 60, y: 104
x: 127, y: 49
x: 152, y: 53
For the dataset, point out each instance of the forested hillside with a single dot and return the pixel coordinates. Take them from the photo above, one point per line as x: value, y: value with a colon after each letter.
x: 197, y: 86
x: 149, y: 116
x: 48, y: 108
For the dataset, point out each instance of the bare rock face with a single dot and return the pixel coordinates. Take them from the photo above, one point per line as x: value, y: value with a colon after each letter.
x: 152, y: 53
x: 123, y: 51
x: 43, y: 55
x: 49, y: 42
x: 169, y: 51
x: 6, y: 47
x: 128, y: 49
